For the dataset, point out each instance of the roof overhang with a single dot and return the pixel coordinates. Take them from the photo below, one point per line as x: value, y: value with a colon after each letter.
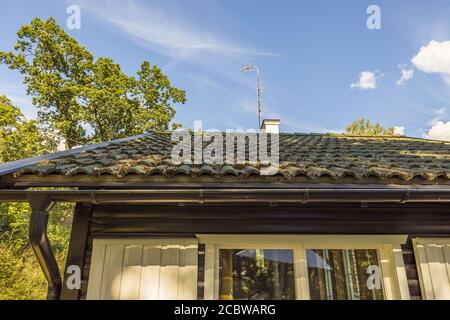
x: 268, y: 196
x: 148, y: 182
x: 9, y: 167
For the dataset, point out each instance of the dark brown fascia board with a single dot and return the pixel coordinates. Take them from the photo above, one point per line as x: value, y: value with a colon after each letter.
x: 10, y: 167
x: 133, y: 181
x: 236, y: 196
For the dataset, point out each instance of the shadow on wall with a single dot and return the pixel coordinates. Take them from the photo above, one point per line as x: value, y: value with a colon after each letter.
x: 135, y: 272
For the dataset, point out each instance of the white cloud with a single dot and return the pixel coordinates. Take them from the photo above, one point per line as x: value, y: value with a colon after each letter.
x: 439, y: 131
x: 162, y: 28
x: 434, y: 57
x: 367, y: 80
x: 407, y: 74
x: 399, y: 130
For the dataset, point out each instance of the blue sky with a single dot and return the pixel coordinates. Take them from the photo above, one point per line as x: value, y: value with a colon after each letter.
x: 309, y: 52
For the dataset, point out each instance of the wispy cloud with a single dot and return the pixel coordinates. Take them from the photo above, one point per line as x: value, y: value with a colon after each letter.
x: 165, y: 31
x: 440, y: 114
x: 204, y: 81
x: 288, y: 122
x: 407, y: 74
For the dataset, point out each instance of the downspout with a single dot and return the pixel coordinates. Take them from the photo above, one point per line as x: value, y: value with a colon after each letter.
x: 40, y: 206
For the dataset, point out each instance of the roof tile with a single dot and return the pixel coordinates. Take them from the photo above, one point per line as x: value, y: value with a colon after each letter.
x: 313, y: 156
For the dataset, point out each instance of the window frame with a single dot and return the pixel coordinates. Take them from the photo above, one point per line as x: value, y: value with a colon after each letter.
x: 395, y: 283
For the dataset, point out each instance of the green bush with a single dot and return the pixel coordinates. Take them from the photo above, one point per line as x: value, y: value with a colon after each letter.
x: 21, y: 277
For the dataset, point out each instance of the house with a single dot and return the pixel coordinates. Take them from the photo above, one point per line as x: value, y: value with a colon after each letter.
x: 344, y: 217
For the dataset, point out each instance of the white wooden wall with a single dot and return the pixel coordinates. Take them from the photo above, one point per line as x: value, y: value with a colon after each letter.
x: 433, y: 266
x: 143, y: 269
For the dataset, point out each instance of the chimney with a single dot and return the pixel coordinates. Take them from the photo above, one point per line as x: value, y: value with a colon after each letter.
x: 270, y: 126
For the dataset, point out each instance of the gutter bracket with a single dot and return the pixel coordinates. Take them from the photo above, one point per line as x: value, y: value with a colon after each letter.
x: 93, y: 198
x: 405, y: 197
x: 40, y: 205
x: 305, y: 196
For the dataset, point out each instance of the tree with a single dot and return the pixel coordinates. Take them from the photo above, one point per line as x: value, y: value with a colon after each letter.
x: 119, y: 106
x: 21, y: 138
x: 20, y: 274
x: 156, y: 95
x: 84, y: 99
x: 54, y: 66
x: 109, y: 106
x: 364, y: 127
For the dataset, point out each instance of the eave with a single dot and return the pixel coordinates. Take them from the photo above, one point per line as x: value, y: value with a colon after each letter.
x: 180, y: 180
x: 268, y: 195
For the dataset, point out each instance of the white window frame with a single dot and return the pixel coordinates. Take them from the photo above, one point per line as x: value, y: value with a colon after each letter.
x: 395, y: 283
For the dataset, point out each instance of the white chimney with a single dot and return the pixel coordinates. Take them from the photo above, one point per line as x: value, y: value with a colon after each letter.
x: 270, y: 126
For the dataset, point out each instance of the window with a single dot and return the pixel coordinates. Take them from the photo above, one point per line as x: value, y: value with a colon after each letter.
x: 347, y: 274
x: 256, y: 274
x: 287, y: 267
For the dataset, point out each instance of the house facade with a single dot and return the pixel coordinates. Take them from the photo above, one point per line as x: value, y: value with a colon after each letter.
x: 344, y: 217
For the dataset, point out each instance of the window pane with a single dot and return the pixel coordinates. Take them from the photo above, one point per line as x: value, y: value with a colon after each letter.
x: 344, y: 275
x: 256, y: 274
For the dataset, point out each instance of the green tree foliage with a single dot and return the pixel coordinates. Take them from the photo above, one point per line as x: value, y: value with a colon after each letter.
x: 156, y: 95
x: 81, y: 99
x: 21, y: 277
x: 76, y: 93
x: 20, y: 274
x: 55, y: 67
x: 364, y: 127
x: 20, y: 138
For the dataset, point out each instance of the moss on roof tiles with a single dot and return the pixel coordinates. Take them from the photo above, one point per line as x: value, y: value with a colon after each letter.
x: 313, y: 156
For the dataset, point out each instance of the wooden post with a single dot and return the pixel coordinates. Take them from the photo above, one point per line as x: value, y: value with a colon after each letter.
x: 77, y: 248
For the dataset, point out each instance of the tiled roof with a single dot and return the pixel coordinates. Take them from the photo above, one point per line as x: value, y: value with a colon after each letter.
x: 310, y: 156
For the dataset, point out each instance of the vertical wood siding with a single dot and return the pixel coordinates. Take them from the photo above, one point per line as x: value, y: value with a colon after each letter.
x: 433, y: 263
x: 150, y: 222
x: 143, y: 269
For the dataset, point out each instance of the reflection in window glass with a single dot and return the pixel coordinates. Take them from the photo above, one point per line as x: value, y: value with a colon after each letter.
x: 256, y: 274
x: 344, y: 275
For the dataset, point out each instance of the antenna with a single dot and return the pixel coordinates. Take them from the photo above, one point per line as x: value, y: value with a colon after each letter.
x: 249, y: 68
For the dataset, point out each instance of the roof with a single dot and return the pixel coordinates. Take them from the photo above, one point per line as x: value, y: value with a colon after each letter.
x: 306, y: 158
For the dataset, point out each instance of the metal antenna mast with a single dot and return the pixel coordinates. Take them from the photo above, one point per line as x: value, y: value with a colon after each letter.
x: 248, y: 68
